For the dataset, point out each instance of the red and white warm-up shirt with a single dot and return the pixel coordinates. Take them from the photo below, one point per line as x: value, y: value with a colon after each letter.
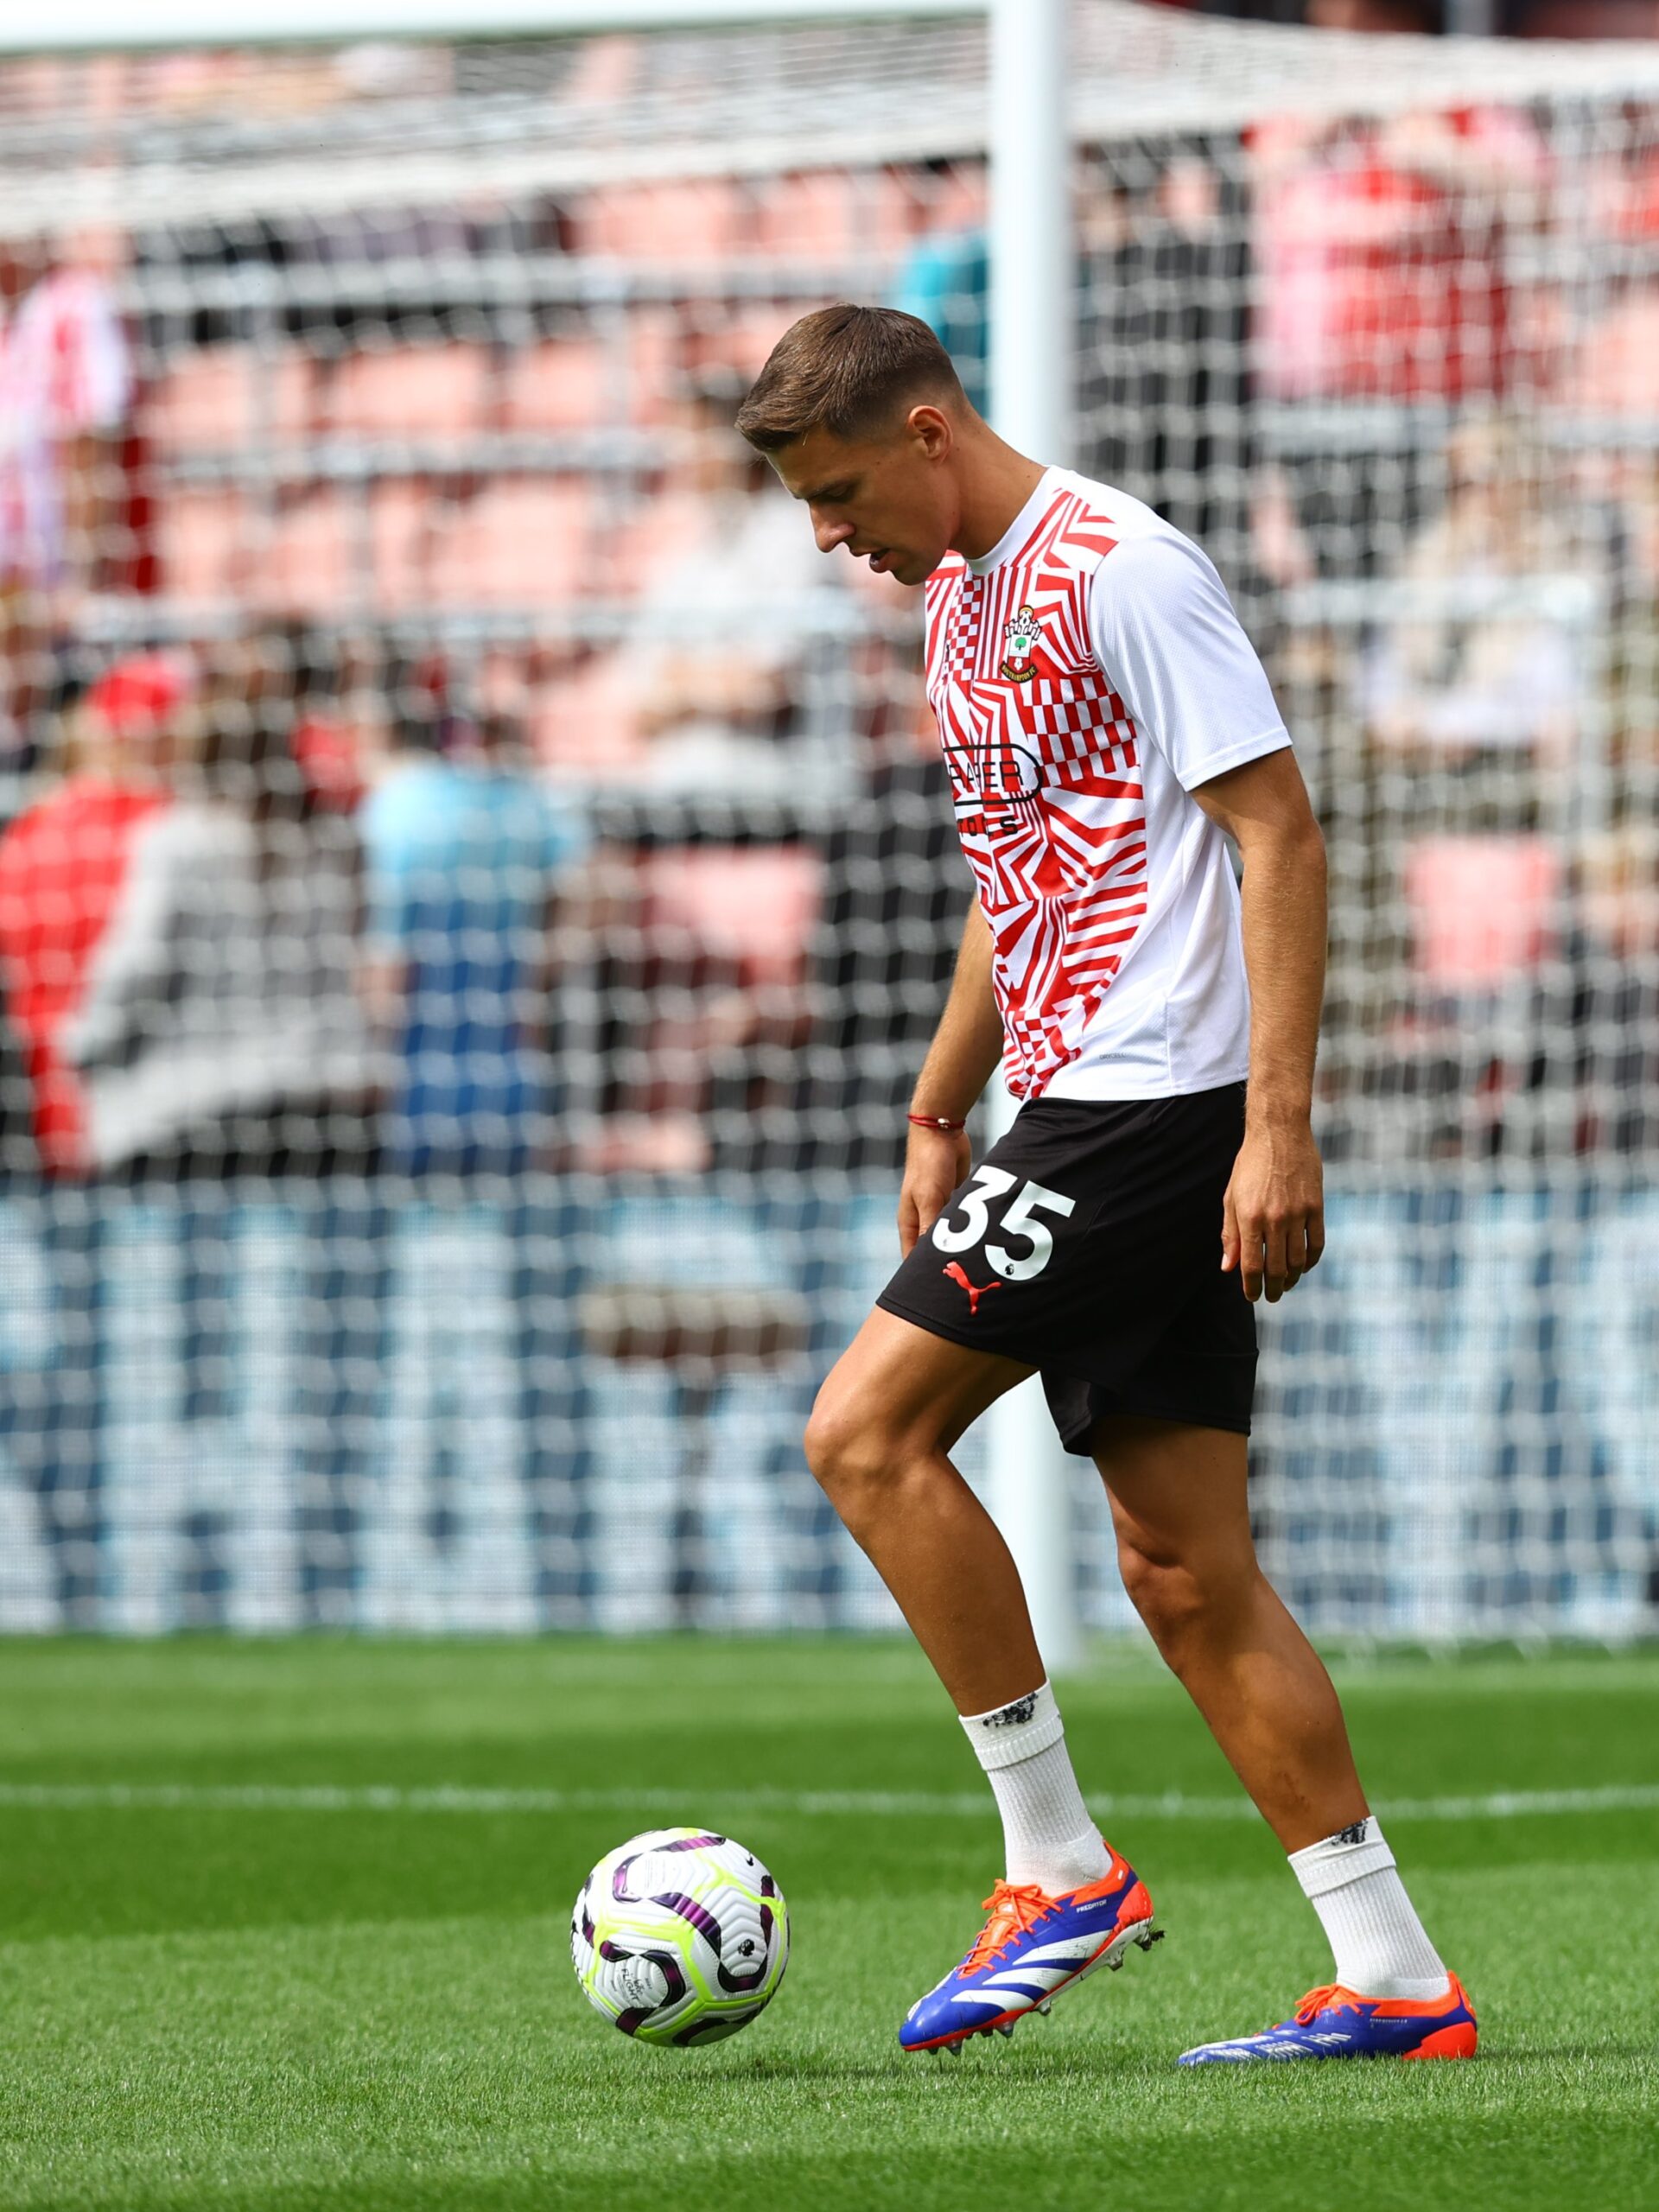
x: 1087, y: 675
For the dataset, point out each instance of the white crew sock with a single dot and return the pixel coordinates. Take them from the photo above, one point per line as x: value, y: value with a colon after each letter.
x: 1046, y: 1831
x: 1377, y: 1940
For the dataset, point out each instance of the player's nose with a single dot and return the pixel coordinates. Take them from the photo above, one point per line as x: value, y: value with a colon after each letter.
x: 830, y: 534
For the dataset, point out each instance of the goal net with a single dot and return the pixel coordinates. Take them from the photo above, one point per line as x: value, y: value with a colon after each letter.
x: 476, y: 886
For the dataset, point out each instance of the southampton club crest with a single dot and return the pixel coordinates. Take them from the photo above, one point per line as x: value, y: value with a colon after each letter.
x: 1021, y: 636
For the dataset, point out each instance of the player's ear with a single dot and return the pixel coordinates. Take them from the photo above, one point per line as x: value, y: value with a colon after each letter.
x: 930, y: 427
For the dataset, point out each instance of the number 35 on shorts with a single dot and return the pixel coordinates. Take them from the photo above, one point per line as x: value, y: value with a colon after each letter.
x: 968, y: 1221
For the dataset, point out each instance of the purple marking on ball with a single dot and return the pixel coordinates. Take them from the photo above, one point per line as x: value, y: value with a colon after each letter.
x: 619, y: 1889
x: 633, y: 2017
x: 736, y: 1985
x: 619, y: 1883
x: 688, y: 1909
x: 726, y: 2024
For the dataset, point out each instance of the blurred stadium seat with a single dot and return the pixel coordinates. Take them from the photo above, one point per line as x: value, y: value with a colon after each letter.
x: 413, y: 391
x: 203, y: 545
x: 558, y: 384
x: 519, y: 542
x: 230, y: 398
x: 754, y: 905
x: 1482, y: 909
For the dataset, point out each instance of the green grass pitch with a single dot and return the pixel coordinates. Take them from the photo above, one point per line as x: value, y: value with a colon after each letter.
x: 235, y: 1976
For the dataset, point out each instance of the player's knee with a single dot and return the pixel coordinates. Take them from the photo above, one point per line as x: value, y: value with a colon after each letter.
x: 861, y: 1460
x: 1176, y: 1600
x: 844, y: 1448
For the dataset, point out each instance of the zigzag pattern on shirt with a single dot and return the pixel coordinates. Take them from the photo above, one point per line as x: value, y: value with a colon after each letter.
x: 1046, y: 775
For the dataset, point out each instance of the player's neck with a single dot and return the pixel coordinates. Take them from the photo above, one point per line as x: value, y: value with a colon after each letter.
x: 996, y: 482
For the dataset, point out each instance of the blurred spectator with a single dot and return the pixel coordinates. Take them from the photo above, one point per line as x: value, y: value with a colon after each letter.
x: 220, y: 1032
x: 716, y: 947
x: 946, y: 277
x: 1613, y: 959
x: 63, y: 869
x: 710, y: 682
x: 1490, y: 668
x: 64, y: 380
x: 332, y: 748
x: 1378, y: 247
x: 467, y: 854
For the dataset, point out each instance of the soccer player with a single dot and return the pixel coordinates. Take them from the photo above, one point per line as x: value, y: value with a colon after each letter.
x: 1106, y: 724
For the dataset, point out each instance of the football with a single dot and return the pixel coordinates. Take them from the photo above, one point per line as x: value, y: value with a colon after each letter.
x: 679, y: 1936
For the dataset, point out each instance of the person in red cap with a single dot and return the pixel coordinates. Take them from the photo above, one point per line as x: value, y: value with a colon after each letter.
x: 62, y: 864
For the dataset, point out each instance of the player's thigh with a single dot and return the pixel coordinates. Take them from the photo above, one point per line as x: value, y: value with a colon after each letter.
x: 1178, y: 1492
x: 897, y: 1385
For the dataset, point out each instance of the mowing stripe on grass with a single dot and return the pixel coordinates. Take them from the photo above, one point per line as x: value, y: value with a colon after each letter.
x: 327, y: 1797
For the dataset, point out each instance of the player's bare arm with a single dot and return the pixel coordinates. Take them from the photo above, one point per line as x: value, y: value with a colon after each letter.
x: 966, y: 1048
x: 1273, y: 1218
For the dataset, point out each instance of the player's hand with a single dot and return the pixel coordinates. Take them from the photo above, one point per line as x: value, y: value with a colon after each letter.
x: 1273, y: 1215
x: 936, y: 1161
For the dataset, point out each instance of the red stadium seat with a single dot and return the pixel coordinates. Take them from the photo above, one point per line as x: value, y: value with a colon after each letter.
x: 1618, y: 363
x: 310, y: 565
x: 653, y: 542
x: 226, y: 398
x: 700, y: 220
x: 739, y: 341
x: 815, y: 214
x: 401, y: 529
x: 753, y: 904
x: 202, y: 544
x: 655, y: 364
x: 520, y: 542
x: 1482, y: 909
x: 409, y: 391
x: 582, y: 724
x: 560, y: 383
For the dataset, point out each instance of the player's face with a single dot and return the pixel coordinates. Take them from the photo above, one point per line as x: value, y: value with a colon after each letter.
x: 889, y: 499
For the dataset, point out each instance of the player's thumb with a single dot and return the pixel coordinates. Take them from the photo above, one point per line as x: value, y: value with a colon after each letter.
x: 1230, y: 1236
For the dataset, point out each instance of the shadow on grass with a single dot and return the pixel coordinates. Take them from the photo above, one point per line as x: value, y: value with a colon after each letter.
x: 1037, y: 2068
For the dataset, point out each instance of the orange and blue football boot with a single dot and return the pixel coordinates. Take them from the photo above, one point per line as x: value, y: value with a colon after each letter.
x: 1034, y: 1945
x: 1339, y: 2023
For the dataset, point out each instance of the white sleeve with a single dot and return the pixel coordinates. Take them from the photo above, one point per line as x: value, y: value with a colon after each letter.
x: 128, y: 974
x: 1165, y: 633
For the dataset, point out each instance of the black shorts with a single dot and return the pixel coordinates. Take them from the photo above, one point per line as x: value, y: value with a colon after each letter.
x: 1087, y: 1243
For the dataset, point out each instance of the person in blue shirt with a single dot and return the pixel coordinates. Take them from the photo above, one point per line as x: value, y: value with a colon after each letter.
x: 466, y: 849
x: 945, y: 282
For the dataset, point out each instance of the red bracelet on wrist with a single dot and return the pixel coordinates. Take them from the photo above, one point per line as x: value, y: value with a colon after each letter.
x: 936, y: 1121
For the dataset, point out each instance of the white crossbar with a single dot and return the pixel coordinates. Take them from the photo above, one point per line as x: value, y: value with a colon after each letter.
x: 86, y: 25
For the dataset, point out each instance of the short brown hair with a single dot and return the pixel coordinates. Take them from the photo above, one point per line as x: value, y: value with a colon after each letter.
x: 849, y: 369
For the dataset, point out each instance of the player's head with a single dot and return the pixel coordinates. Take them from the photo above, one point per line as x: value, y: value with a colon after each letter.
x: 863, y: 416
